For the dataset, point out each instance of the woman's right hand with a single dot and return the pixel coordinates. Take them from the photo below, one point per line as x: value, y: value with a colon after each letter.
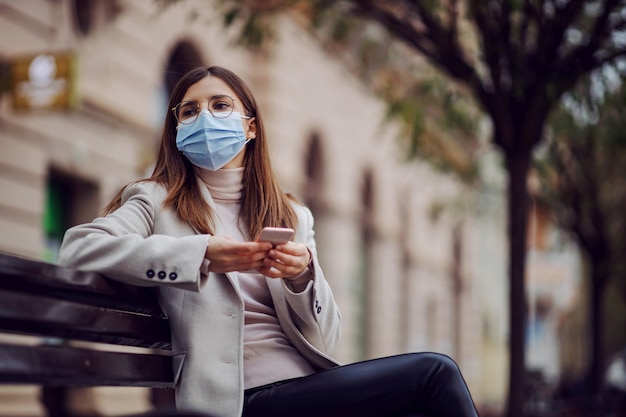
x: 227, y: 254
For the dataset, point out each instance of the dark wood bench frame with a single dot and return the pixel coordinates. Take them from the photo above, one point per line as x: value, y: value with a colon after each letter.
x: 60, y: 305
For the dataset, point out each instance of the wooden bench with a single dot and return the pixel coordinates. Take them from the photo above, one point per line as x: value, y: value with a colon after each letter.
x: 60, y: 306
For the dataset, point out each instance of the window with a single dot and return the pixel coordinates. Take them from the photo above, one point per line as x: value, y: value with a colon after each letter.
x: 183, y: 58
x: 363, y: 288
x: 90, y: 14
x: 69, y: 201
x: 84, y: 15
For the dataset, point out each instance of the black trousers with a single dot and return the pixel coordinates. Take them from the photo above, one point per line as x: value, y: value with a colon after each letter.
x: 415, y: 384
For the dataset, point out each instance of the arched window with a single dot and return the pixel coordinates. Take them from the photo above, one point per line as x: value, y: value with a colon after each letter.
x: 314, y: 171
x: 406, y: 277
x: 90, y: 15
x: 183, y: 58
x: 363, y: 286
x: 457, y: 288
x: 84, y: 15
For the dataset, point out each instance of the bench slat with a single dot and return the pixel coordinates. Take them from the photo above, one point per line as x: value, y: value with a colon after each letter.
x: 38, y: 315
x: 48, y: 301
x: 70, y: 366
x: 32, y: 276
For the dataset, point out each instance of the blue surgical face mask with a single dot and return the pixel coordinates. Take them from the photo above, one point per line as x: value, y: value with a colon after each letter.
x: 210, y: 142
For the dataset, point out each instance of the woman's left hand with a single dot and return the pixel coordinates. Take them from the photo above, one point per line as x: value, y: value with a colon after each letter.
x: 286, y: 261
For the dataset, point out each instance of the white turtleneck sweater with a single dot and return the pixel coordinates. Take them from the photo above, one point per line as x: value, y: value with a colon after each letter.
x: 268, y: 354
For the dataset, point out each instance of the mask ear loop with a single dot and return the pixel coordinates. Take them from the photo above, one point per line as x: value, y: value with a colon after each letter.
x: 247, y: 117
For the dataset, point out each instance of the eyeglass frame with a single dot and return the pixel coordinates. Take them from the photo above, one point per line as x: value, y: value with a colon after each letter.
x: 208, y: 108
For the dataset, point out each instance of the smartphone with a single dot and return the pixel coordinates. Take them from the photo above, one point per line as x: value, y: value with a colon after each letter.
x: 276, y: 235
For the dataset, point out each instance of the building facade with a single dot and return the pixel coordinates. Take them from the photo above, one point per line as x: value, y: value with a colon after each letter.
x: 416, y: 259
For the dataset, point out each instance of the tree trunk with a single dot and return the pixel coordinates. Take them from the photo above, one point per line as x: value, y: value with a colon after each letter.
x: 517, y: 167
x: 598, y: 284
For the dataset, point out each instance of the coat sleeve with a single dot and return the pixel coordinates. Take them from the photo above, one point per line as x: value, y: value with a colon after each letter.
x: 314, y: 310
x: 123, y: 245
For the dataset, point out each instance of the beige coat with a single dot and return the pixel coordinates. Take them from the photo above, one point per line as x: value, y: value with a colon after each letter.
x: 143, y: 243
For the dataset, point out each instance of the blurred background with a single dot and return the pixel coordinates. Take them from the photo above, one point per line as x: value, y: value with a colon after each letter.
x: 395, y: 160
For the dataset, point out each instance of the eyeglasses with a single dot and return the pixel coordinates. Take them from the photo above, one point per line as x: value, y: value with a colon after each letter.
x: 220, y: 107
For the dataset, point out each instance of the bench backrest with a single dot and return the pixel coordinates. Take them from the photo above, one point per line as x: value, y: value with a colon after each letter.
x: 61, y: 305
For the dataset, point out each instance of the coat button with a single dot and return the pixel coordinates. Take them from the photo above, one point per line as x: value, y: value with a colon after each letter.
x: 319, y: 309
x: 162, y: 274
x: 150, y: 273
x: 173, y: 275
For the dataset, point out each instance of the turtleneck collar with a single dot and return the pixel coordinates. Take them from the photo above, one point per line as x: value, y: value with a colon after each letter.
x: 224, y: 184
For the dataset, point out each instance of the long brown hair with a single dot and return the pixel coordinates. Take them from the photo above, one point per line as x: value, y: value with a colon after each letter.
x: 263, y: 203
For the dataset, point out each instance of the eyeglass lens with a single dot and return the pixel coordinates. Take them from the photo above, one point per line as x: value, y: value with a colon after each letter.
x: 219, y: 106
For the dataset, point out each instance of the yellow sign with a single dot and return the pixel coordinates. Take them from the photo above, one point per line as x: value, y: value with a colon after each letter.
x: 44, y: 81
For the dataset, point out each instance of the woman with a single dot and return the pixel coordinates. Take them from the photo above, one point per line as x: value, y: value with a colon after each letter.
x: 252, y: 324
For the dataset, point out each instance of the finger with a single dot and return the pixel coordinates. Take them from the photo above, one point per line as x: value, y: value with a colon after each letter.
x: 291, y: 248
x: 282, y: 257
x: 237, y: 254
x: 273, y: 266
x: 270, y: 272
x: 250, y: 247
x: 281, y: 270
x: 228, y: 243
x: 256, y: 259
x: 237, y: 262
x: 297, y: 262
x: 299, y: 251
x: 253, y: 257
x: 250, y: 266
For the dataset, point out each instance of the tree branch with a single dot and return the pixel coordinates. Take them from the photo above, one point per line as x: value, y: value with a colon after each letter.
x: 488, y: 38
x: 581, y: 58
x: 434, y: 40
x: 551, y: 32
x: 453, y: 16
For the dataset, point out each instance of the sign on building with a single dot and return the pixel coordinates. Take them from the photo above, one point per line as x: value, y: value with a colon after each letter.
x: 44, y: 81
